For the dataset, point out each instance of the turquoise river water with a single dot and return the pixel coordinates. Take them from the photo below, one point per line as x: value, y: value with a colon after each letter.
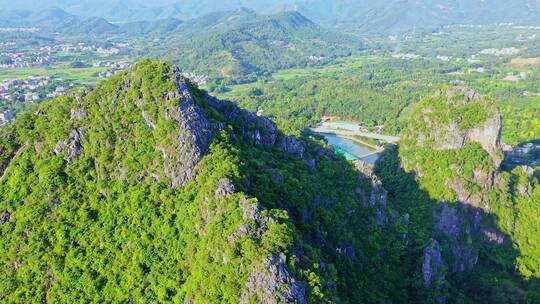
x: 350, y: 149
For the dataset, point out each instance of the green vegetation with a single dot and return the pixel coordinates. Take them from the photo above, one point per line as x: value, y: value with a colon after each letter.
x: 378, y: 88
x: 97, y: 218
x: 242, y: 45
x: 428, y: 171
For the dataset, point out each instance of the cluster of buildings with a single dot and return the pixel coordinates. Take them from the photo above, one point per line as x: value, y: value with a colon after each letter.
x: 316, y: 58
x: 8, y: 43
x: 28, y: 90
x: 196, y: 79
x: 82, y: 47
x: 500, y: 52
x: 112, y: 64
x: 6, y: 117
x: 14, y: 60
x: 405, y: 56
x: 114, y: 67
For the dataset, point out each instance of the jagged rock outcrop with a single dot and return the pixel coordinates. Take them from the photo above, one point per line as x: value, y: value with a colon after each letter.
x: 377, y: 196
x: 450, y: 121
x: 293, y: 146
x: 225, y: 187
x: 272, y: 283
x: 451, y: 135
x: 78, y: 114
x: 258, y: 130
x: 432, y: 264
x: 230, y: 207
x: 73, y: 144
x: 192, y: 137
x: 524, y: 188
x: 452, y: 145
x: 4, y: 217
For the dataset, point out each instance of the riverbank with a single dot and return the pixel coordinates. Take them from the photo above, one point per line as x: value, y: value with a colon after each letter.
x: 363, y: 142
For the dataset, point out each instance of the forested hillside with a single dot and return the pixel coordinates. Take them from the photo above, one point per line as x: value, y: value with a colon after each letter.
x: 148, y: 189
x: 363, y: 15
x: 477, y: 225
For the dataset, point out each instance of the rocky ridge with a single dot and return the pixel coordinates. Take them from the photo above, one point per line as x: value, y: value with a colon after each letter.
x: 242, y: 185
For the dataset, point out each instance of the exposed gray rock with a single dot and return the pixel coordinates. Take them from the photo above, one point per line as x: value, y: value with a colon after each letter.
x: 271, y: 283
x: 465, y: 92
x: 73, y: 144
x: 432, y: 265
x: 464, y: 257
x: 492, y: 235
x: 348, y: 251
x: 451, y: 133
x: 450, y: 228
x: 525, y: 188
x: 258, y: 130
x: 448, y: 222
x: 225, y: 187
x: 378, y: 195
x: 149, y: 122
x: 242, y: 231
x: 78, y: 114
x: 251, y: 211
x: 291, y: 145
x: 193, y: 135
x: 311, y: 163
x: 488, y: 134
x: 275, y: 176
x: 489, y: 137
x: 38, y: 146
x: 5, y: 217
x: 381, y: 217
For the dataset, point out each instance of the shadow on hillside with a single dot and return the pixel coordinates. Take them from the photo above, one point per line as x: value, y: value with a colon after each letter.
x: 490, y: 279
x: 525, y: 154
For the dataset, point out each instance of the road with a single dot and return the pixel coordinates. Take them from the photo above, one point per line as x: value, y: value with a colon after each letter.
x: 387, y: 138
x: 8, y: 161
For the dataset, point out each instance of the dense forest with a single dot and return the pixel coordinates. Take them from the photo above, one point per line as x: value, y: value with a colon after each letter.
x: 305, y: 151
x: 149, y: 189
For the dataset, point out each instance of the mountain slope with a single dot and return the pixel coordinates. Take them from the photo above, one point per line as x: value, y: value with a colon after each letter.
x: 477, y: 225
x: 364, y: 15
x: 57, y: 21
x: 241, y: 43
x: 147, y: 189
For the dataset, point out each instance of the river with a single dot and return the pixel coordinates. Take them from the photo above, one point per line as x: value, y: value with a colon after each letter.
x: 350, y: 149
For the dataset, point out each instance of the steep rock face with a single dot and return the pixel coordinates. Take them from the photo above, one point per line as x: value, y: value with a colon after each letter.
x: 4, y: 217
x: 453, y: 147
x: 450, y: 135
x: 272, y: 283
x: 176, y: 196
x: 73, y: 145
x: 432, y: 264
x: 194, y: 134
x: 258, y: 130
x: 446, y: 130
x: 454, y: 229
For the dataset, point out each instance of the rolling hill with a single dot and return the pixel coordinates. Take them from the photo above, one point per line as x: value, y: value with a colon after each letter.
x: 362, y: 15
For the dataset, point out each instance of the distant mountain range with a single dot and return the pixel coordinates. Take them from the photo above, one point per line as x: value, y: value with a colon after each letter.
x: 231, y: 43
x: 363, y: 15
x: 242, y: 42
